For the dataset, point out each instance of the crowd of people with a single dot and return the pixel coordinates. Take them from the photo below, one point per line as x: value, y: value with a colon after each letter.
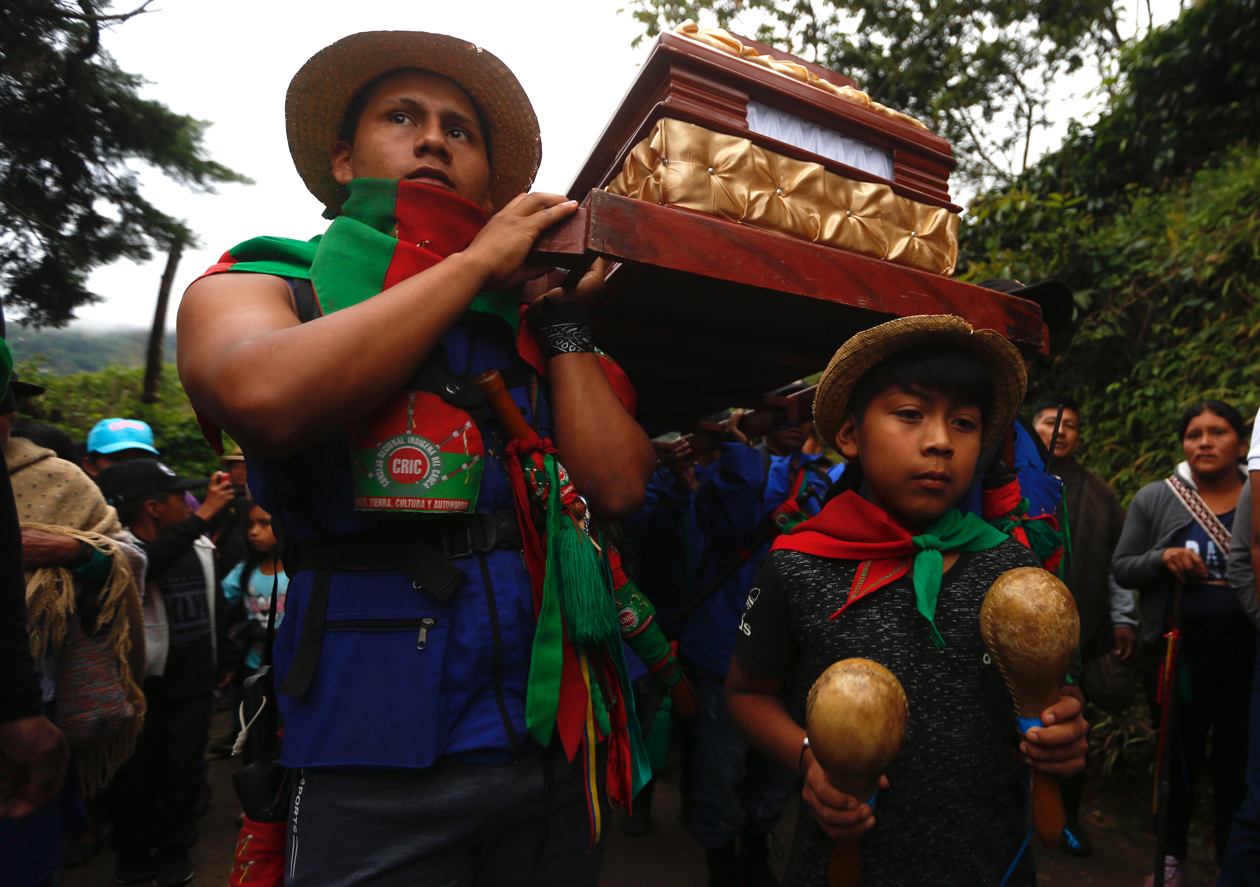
x: 477, y: 669
x: 191, y: 633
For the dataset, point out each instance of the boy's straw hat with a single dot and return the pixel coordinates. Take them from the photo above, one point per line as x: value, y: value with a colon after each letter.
x: 321, y: 93
x: 861, y: 353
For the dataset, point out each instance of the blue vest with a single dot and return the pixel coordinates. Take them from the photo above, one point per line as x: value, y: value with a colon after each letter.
x: 381, y: 697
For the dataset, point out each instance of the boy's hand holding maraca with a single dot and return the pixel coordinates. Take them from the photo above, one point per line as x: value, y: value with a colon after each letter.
x: 843, y: 817
x: 1059, y: 747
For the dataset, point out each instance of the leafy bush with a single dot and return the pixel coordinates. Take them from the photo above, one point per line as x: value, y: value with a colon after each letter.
x: 77, y: 401
x: 1183, y: 92
x: 1122, y: 745
x: 1167, y: 299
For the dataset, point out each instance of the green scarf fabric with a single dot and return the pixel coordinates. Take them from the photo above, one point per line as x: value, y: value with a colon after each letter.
x: 850, y: 528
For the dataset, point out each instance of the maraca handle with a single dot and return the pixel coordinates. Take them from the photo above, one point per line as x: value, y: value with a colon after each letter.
x: 1047, y: 803
x: 845, y: 869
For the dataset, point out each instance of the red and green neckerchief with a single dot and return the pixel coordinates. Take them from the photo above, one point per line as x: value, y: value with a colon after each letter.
x: 850, y: 528
x: 579, y: 686
x: 1005, y: 508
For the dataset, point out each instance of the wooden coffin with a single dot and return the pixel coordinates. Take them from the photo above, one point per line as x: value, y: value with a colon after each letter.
x: 687, y: 80
x: 706, y: 313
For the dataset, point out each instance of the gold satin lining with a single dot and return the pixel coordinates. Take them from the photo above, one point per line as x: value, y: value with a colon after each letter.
x: 681, y: 164
x: 724, y: 41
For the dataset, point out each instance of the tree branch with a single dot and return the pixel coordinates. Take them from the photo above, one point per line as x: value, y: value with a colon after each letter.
x: 88, y: 16
x: 93, y: 41
x: 966, y: 122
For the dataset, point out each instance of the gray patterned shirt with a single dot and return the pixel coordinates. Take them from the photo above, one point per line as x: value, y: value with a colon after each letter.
x: 954, y: 811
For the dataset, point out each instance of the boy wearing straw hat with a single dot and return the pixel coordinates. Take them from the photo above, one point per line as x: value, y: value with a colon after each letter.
x: 890, y: 571
x: 406, y: 664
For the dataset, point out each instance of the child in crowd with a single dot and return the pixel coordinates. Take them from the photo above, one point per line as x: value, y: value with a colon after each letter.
x: 890, y: 571
x: 247, y: 590
x: 251, y: 583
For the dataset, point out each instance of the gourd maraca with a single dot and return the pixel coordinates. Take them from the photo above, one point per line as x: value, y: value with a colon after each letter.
x: 1031, y: 628
x: 855, y: 717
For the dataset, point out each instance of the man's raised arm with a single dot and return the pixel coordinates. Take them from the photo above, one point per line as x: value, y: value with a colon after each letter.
x: 276, y: 385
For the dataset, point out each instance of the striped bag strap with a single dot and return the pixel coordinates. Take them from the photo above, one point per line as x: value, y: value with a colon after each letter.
x: 1203, y: 516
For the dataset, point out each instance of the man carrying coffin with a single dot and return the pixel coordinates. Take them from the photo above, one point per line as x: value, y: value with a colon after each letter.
x: 418, y: 658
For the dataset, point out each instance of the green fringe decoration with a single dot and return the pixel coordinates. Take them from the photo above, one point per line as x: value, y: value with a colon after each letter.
x: 658, y: 735
x: 598, y: 707
x: 585, y: 596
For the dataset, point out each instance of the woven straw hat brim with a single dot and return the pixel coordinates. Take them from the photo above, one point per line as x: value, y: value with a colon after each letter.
x: 321, y: 92
x: 861, y: 353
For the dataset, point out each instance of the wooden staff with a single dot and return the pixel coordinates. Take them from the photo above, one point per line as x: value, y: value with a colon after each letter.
x: 502, y: 405
x: 505, y: 410
x: 1167, y: 742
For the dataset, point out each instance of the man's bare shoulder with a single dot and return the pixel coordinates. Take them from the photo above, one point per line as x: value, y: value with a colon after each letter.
x: 226, y: 307
x: 238, y: 285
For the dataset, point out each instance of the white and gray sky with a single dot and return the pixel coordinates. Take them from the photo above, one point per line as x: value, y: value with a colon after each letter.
x: 230, y: 62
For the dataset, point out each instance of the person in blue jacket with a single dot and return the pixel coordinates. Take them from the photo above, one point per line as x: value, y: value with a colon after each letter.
x: 667, y: 544
x: 745, y: 498
x: 403, y: 661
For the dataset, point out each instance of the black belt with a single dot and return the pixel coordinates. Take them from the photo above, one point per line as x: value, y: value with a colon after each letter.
x: 423, y: 552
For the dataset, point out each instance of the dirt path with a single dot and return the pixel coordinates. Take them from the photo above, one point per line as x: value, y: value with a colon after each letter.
x: 670, y: 857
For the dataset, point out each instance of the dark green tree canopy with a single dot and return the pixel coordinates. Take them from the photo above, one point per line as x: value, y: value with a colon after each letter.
x: 1182, y: 95
x: 1152, y: 216
x: 978, y: 72
x: 72, y: 130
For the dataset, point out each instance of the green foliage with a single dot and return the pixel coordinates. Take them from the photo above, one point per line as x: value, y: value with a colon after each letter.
x: 1152, y: 216
x: 1167, y: 300
x: 1184, y: 92
x: 78, y: 401
x: 978, y: 72
x: 82, y: 351
x: 72, y: 129
x: 1122, y: 744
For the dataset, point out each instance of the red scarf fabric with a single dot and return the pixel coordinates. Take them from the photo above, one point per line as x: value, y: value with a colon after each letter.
x: 850, y: 528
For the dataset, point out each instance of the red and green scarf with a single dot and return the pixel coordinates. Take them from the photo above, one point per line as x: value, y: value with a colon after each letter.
x: 850, y: 528
x: 387, y: 232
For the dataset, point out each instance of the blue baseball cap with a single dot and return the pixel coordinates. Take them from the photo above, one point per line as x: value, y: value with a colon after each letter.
x: 112, y: 435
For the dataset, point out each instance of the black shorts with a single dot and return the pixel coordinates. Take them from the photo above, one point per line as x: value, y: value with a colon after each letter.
x: 452, y: 824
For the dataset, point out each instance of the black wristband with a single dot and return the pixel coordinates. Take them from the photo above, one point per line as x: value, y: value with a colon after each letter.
x: 563, y: 328
x: 566, y: 338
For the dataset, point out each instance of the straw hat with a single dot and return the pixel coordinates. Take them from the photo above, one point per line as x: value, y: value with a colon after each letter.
x: 321, y: 93
x: 861, y: 353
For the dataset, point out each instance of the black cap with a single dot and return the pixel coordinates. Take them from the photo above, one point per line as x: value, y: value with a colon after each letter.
x: 1054, y: 297
x: 18, y: 390
x: 137, y: 478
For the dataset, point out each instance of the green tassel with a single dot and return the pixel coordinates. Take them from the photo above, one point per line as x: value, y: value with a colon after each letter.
x: 585, y: 597
x: 658, y: 735
x: 599, y: 708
